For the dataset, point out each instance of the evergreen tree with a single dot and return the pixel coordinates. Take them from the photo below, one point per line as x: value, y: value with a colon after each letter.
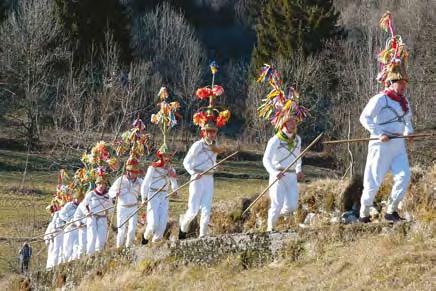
x: 287, y: 26
x: 85, y: 23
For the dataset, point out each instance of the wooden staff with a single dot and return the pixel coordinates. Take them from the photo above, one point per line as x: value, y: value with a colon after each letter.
x: 202, y: 173
x: 174, y: 191
x: 376, y: 138
x: 282, y: 172
x: 70, y: 222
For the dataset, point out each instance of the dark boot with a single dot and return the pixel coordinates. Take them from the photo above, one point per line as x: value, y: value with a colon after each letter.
x: 393, y: 217
x: 365, y: 219
x: 144, y: 241
x: 182, y: 235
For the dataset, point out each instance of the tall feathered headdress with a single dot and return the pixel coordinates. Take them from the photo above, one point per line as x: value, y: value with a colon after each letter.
x: 393, y: 58
x: 279, y: 105
x: 166, y: 117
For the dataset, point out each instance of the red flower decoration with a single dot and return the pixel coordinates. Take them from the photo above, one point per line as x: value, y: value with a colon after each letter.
x: 217, y: 90
x: 220, y: 121
x: 203, y: 93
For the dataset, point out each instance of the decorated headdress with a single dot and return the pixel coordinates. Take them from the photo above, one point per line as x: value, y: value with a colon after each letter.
x: 132, y: 165
x: 101, y: 176
x: 393, y: 59
x: 279, y: 106
x: 211, y: 117
x: 165, y: 118
x: 135, y: 141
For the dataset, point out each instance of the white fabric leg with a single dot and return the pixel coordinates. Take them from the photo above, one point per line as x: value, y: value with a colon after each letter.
x: 131, y: 227
x: 126, y: 233
x: 70, y: 240
x: 289, y: 187
x: 401, y: 172
x: 81, y: 244
x: 377, y: 165
x: 152, y: 217
x: 277, y: 199
x: 91, y: 225
x: 57, y: 248
x: 50, y: 254
x: 162, y: 218
x: 206, y: 204
x: 195, y: 193
x: 101, y: 234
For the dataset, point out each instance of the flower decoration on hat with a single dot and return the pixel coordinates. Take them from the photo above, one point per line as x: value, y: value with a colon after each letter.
x: 211, y: 117
x: 166, y: 118
x: 279, y: 105
x: 393, y: 58
x: 135, y: 140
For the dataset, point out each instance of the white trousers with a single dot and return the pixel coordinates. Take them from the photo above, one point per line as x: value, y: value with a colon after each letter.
x: 382, y: 157
x: 54, y: 255
x: 157, y: 217
x: 69, y: 245
x: 129, y: 228
x: 284, y: 198
x: 96, y: 234
x: 50, y: 246
x: 200, y: 198
x: 80, y: 246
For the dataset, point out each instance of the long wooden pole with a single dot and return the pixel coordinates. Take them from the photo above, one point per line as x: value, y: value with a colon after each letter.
x: 202, y: 173
x: 376, y: 138
x: 174, y: 191
x: 283, y: 171
x: 70, y: 222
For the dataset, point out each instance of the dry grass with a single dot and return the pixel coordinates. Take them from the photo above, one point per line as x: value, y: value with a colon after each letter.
x: 383, y: 262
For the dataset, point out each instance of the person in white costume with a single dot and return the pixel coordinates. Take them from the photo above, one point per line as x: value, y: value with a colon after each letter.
x: 386, y: 115
x: 54, y: 238
x: 66, y: 214
x: 281, y: 151
x: 159, y: 174
x: 200, y: 157
x: 80, y: 224
x: 127, y: 190
x: 97, y: 223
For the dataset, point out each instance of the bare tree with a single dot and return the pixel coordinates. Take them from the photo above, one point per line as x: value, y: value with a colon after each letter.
x: 30, y: 53
x: 164, y: 38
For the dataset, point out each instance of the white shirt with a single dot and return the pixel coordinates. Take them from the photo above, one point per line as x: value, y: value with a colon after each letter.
x: 380, y: 116
x: 54, y: 225
x: 67, y: 212
x: 95, y: 202
x: 199, y: 158
x: 129, y: 190
x: 156, y: 178
x: 80, y: 214
x: 278, y: 156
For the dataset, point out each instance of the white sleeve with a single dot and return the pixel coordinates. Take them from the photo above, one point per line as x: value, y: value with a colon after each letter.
x: 115, y: 188
x: 85, y: 203
x: 271, y: 147
x: 173, y: 181
x: 370, y: 111
x: 299, y: 163
x: 63, y: 213
x: 146, y: 183
x: 189, y: 160
x: 408, y: 120
x: 49, y: 229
